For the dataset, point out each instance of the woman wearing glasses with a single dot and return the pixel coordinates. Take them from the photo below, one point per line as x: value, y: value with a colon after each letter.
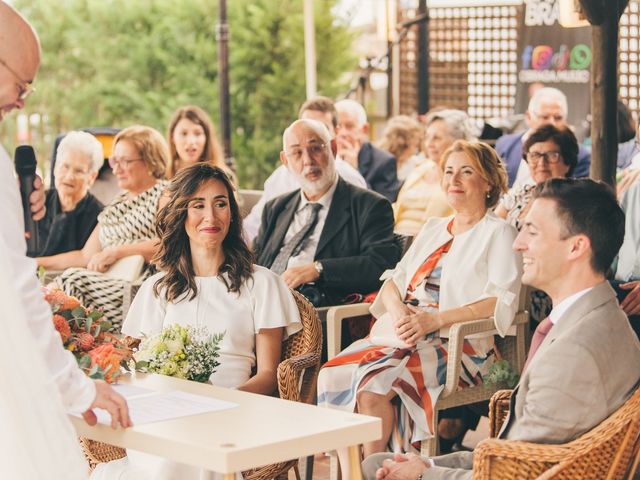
x: 549, y: 152
x: 125, y: 227
x: 459, y: 268
x: 72, y: 212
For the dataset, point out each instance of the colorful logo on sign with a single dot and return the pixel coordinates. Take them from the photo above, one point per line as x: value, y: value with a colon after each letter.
x: 541, y: 63
x: 543, y: 57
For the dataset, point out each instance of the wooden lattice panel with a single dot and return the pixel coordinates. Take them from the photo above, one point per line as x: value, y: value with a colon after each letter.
x: 472, y: 59
x: 629, y: 61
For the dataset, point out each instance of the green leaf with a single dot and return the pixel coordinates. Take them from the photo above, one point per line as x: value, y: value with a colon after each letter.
x: 95, y: 315
x: 87, y: 324
x: 78, y: 312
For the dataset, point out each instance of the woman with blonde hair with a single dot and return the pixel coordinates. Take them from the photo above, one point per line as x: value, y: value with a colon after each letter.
x: 458, y: 269
x: 125, y: 227
x: 402, y: 138
x: 421, y: 196
x: 192, y: 138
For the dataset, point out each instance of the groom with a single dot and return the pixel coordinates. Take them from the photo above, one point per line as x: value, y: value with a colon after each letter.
x: 584, y: 360
x: 19, y: 62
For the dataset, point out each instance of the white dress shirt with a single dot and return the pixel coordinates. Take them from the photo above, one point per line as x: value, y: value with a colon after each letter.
x: 76, y: 389
x: 282, y: 181
x: 628, y: 265
x: 301, y: 218
x: 560, y: 309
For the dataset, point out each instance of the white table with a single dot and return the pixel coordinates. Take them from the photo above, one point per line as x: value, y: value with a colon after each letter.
x: 260, y: 431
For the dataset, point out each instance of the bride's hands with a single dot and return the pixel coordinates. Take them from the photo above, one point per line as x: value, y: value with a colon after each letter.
x: 412, y: 327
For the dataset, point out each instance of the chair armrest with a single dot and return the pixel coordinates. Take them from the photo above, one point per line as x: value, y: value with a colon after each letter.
x: 505, y: 459
x: 457, y: 334
x: 290, y: 373
x: 498, y: 411
x: 335, y: 316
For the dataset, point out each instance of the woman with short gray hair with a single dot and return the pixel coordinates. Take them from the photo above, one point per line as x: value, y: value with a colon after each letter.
x: 72, y: 212
x: 421, y: 196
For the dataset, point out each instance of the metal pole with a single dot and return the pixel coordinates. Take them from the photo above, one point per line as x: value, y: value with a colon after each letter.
x: 223, y: 77
x: 310, y: 49
x: 423, y: 60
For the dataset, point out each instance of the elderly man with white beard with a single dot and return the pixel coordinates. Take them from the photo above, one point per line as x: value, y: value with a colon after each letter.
x: 329, y: 238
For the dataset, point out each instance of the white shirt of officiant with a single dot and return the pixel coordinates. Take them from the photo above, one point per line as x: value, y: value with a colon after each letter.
x: 301, y: 218
x: 76, y: 389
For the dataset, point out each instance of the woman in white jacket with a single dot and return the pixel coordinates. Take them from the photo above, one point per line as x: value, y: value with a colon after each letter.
x: 458, y: 268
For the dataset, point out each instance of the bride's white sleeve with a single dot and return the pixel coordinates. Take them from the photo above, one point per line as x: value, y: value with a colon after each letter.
x: 146, y: 314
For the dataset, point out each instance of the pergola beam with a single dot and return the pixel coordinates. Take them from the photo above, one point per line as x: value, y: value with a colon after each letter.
x: 604, y: 86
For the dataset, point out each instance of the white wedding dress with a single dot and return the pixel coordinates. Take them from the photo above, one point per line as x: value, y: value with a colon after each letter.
x: 37, y: 440
x: 263, y: 302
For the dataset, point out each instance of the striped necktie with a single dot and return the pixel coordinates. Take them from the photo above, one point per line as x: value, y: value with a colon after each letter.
x: 279, y: 265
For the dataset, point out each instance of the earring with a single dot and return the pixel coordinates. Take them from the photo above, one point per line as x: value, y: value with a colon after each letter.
x: 488, y: 195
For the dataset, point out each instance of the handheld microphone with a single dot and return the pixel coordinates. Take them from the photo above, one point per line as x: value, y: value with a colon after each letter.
x: 25, y: 159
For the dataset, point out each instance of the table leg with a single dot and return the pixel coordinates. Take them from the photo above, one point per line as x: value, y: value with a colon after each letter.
x: 354, y: 462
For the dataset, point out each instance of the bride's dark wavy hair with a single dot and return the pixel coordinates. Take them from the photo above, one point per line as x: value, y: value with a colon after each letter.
x: 174, y: 254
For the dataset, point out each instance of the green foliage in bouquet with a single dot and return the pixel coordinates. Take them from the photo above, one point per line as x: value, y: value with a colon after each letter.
x: 501, y: 374
x: 178, y: 351
x: 86, y: 334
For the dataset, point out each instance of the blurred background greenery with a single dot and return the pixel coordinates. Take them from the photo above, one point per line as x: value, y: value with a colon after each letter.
x: 114, y: 63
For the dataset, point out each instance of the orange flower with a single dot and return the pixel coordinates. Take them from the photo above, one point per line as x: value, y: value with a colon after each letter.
x: 70, y: 302
x: 54, y: 297
x: 106, y: 356
x: 62, y: 327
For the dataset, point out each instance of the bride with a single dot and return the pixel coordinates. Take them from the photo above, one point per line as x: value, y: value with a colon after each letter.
x: 207, y: 278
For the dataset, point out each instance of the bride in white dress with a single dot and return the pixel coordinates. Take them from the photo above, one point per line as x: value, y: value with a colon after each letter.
x: 207, y: 278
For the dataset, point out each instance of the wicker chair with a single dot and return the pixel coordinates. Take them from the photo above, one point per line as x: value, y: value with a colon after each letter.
x: 607, y: 451
x: 511, y: 348
x: 297, y: 376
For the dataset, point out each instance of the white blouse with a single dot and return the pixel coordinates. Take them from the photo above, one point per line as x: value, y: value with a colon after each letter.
x: 262, y: 303
x: 480, y: 264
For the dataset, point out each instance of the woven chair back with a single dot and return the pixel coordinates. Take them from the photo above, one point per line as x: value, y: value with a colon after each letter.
x: 309, y: 339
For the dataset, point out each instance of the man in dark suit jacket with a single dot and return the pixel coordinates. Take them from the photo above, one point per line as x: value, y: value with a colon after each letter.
x: 350, y: 242
x: 587, y: 361
x: 377, y: 167
x: 547, y: 106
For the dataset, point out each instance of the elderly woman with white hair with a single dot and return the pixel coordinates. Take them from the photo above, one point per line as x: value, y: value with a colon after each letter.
x: 72, y: 212
x: 421, y: 196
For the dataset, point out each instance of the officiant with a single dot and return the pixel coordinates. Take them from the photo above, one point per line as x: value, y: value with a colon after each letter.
x: 459, y: 268
x: 19, y: 62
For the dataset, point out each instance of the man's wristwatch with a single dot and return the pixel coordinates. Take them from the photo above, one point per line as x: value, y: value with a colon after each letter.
x: 319, y: 268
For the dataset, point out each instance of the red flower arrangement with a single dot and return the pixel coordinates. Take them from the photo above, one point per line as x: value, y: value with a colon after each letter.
x: 87, y: 335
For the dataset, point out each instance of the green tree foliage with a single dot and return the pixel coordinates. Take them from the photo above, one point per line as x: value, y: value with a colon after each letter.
x: 120, y: 62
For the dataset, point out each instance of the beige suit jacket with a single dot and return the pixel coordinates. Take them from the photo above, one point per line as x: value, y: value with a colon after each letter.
x: 585, y: 368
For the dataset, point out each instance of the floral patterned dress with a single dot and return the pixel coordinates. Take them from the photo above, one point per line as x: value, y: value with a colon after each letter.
x: 417, y: 375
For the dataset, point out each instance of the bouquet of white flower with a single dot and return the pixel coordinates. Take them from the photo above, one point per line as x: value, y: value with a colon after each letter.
x: 184, y: 352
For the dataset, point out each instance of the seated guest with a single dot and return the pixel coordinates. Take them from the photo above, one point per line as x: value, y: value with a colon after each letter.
x: 192, y: 138
x: 282, y: 181
x: 547, y: 106
x: 125, y: 227
x: 376, y: 166
x: 458, y: 269
x: 584, y: 360
x: 72, y: 212
x: 207, y: 278
x: 550, y: 152
x: 421, y: 196
x: 328, y: 233
x: 402, y: 138
x: 627, y: 268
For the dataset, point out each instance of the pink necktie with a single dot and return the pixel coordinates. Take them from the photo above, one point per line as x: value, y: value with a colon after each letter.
x: 538, y: 336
